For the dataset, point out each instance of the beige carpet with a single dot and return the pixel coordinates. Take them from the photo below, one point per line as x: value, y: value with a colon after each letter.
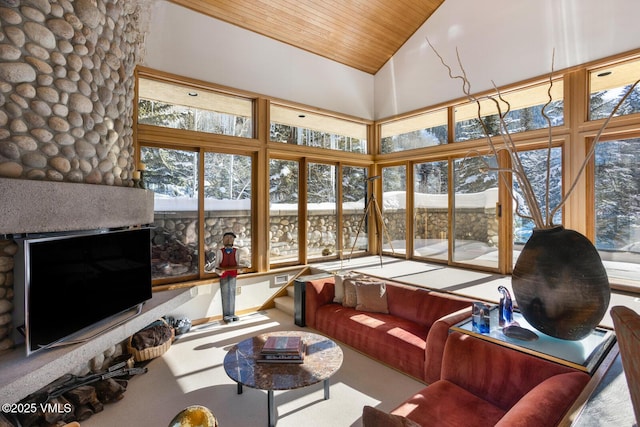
x: 191, y: 372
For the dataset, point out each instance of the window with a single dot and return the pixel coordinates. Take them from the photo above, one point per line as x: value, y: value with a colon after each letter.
x: 524, y: 110
x: 183, y: 107
x: 617, y: 206
x: 463, y: 233
x: 534, y: 163
x: 321, y: 211
x: 423, y: 130
x: 354, y: 203
x: 608, y: 85
x: 475, y: 225
x: 292, y: 126
x: 173, y: 177
x: 431, y: 210
x: 227, y: 204
x: 284, y: 176
x: 394, y: 210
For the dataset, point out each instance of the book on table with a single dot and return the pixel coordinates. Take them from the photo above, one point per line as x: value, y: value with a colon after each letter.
x: 283, y: 349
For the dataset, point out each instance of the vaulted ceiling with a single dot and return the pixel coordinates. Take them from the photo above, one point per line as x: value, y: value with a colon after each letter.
x: 362, y: 34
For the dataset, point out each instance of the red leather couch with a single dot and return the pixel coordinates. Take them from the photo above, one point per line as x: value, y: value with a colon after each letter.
x: 410, y: 337
x: 484, y: 384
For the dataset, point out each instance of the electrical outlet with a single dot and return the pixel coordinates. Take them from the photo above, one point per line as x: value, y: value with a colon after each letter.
x: 281, y: 280
x: 238, y: 290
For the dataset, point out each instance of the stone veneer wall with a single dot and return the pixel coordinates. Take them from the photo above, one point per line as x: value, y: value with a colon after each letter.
x: 8, y: 249
x: 66, y: 100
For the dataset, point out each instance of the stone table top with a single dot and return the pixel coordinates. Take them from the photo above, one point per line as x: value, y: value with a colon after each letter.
x: 323, y: 358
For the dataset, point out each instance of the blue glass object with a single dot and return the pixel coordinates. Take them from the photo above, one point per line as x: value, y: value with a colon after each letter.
x: 506, y: 307
x: 480, y: 319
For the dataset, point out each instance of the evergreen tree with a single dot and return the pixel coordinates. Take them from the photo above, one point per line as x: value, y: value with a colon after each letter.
x: 631, y: 104
x: 284, y: 177
x: 354, y: 183
x: 170, y: 172
x: 617, y: 192
x: 598, y: 107
x: 158, y: 113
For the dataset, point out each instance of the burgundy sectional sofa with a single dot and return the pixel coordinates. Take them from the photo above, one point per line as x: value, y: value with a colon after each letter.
x: 484, y: 384
x: 411, y: 334
x: 472, y: 382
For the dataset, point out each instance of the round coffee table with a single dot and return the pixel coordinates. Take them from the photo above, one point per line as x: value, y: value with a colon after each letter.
x: 323, y: 358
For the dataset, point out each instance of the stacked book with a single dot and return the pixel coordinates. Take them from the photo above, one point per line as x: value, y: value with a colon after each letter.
x: 282, y: 349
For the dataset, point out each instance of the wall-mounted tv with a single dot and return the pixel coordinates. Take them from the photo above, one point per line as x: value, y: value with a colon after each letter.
x: 72, y: 282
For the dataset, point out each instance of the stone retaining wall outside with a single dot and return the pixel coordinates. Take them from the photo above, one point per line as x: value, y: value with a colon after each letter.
x: 471, y: 224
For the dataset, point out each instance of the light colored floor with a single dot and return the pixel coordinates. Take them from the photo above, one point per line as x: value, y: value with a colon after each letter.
x: 191, y: 372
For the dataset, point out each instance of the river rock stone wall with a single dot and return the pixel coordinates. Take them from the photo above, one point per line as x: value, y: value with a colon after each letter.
x: 8, y: 249
x: 66, y: 90
x: 471, y: 224
x: 66, y: 99
x: 174, y: 241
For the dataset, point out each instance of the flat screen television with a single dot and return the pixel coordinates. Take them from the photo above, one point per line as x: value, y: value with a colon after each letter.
x: 74, y: 282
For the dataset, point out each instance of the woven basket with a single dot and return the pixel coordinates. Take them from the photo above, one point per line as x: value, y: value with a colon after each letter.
x: 150, y: 352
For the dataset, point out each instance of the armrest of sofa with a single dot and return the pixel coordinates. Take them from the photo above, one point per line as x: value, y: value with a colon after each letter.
x: 436, y: 339
x: 546, y: 404
x: 317, y: 293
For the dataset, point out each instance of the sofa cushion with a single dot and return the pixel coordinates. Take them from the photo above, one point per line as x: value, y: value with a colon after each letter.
x: 339, y: 281
x: 392, y: 340
x: 444, y: 404
x: 422, y: 306
x: 518, y: 372
x: 350, y: 297
x: 373, y: 417
x: 546, y: 403
x: 372, y: 297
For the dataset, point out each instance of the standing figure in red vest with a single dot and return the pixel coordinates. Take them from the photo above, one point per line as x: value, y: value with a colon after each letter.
x: 226, y: 264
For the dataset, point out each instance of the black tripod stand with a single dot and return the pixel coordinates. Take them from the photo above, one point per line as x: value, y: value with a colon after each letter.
x: 373, y: 207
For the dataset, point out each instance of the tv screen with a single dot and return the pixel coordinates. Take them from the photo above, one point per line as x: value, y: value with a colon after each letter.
x: 74, y: 281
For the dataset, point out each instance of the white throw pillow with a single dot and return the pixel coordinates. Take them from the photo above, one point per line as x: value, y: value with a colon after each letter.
x: 339, y: 288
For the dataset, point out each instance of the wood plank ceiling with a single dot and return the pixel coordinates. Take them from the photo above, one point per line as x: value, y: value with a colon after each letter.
x: 362, y: 34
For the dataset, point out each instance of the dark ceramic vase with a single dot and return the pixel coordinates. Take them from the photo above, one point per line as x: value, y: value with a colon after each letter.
x: 560, y: 284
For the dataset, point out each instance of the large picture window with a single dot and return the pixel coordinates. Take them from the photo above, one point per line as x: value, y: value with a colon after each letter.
x: 431, y: 210
x: 475, y: 225
x: 617, y: 206
x: 227, y: 204
x: 322, y: 213
x: 172, y: 175
x: 534, y: 163
x: 284, y: 177
x: 392, y: 232
x: 354, y: 203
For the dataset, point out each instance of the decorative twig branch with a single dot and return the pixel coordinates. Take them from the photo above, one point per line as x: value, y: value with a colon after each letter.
x: 548, y: 216
x: 517, y: 169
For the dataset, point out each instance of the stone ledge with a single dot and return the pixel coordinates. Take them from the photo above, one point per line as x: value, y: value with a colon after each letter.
x: 29, y: 206
x: 21, y: 375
